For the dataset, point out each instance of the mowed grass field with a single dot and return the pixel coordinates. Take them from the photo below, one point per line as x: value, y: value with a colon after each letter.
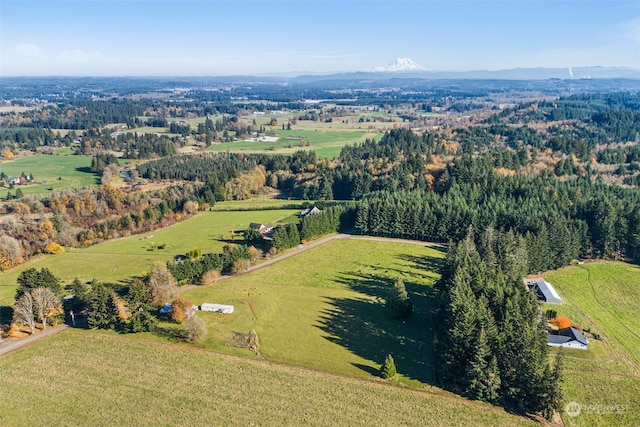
x: 324, y: 308
x: 605, y: 380
x: 119, y: 260
x: 327, y: 143
x: 93, y: 378
x: 50, y: 171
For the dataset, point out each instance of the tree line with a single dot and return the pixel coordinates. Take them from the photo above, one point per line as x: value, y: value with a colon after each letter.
x: 490, y: 340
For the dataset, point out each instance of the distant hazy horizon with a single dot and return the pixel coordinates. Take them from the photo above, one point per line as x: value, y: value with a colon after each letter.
x: 264, y: 37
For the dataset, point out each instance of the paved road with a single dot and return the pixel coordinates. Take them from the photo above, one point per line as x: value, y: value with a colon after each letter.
x: 7, y: 346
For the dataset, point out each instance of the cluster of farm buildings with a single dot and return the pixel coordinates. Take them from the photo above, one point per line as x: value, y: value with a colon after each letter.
x: 570, y: 337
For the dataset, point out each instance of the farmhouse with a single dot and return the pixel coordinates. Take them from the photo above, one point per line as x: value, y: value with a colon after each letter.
x: 567, y: 338
x: 544, y: 290
x: 263, y: 229
x: 217, y: 308
x: 309, y: 211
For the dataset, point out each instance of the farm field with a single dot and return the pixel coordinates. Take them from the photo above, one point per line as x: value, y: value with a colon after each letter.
x: 50, y: 171
x: 605, y: 297
x: 326, y: 143
x: 118, y: 260
x: 257, y: 204
x: 151, y: 129
x: 326, y: 311
x: 115, y: 380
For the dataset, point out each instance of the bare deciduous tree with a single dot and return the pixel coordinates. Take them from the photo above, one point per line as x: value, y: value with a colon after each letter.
x: 23, y: 312
x: 162, y: 284
x: 194, y: 329
x: 10, y: 251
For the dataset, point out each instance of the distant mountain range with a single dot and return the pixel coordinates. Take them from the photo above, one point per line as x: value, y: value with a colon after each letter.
x: 400, y: 64
x: 412, y: 69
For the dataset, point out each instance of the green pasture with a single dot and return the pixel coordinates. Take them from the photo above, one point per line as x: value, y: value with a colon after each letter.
x: 605, y: 380
x: 326, y: 143
x: 324, y: 308
x: 120, y: 259
x: 257, y: 203
x: 94, y: 378
x: 57, y: 172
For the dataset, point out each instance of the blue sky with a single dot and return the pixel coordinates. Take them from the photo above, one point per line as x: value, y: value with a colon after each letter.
x: 217, y: 37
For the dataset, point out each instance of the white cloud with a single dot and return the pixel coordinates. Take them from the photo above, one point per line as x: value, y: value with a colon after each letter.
x: 28, y: 50
x: 78, y: 55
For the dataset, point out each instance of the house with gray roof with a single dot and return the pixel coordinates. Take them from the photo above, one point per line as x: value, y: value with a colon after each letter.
x: 567, y: 338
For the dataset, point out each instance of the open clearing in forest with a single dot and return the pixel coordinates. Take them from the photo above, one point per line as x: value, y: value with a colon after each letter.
x: 120, y: 259
x: 94, y: 378
x: 57, y: 172
x: 602, y: 296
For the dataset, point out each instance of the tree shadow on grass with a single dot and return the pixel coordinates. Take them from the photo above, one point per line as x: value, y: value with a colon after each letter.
x: 367, y: 368
x: 365, y: 327
x: 87, y: 169
x: 171, y: 334
x: 426, y: 263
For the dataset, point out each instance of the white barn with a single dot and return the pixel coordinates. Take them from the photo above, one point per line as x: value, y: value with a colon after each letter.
x: 217, y: 308
x: 544, y: 291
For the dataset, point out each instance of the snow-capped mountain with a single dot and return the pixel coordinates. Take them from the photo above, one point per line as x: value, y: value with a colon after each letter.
x: 401, y: 64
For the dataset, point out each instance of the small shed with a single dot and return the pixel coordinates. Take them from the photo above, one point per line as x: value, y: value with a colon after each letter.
x: 164, y: 310
x: 217, y: 308
x: 544, y: 291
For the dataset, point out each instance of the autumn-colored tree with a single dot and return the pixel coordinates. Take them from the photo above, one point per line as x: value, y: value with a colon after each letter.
x: 10, y: 252
x: 254, y: 254
x: 21, y: 209
x: 240, y: 266
x: 47, y: 230
x: 191, y: 207
x: 180, y: 309
x: 210, y: 277
x: 561, y: 322
x: 114, y: 196
x: 7, y: 154
x: 54, y: 248
x: 46, y: 305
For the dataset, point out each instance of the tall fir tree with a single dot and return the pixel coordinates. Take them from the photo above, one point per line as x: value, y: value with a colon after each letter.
x: 104, y: 311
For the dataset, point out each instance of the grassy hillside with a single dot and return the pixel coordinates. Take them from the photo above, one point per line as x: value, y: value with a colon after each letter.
x: 324, y: 308
x: 89, y: 378
x: 604, y: 380
x: 50, y: 171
